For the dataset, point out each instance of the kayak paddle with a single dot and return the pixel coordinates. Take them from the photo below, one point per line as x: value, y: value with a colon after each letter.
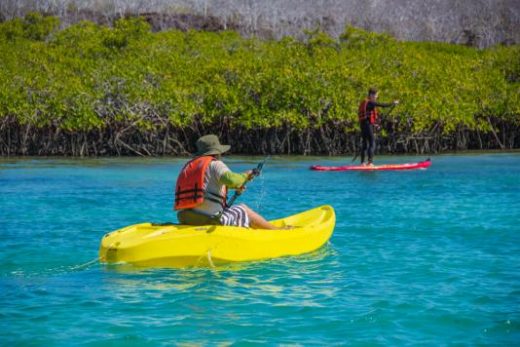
x: 254, y: 173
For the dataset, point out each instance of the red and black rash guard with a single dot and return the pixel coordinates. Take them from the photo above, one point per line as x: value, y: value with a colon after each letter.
x: 371, y: 105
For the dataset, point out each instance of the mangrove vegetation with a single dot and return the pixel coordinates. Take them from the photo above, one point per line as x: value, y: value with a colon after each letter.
x: 90, y: 89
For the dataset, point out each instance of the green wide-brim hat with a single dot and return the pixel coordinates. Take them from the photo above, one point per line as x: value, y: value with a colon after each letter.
x: 210, y: 145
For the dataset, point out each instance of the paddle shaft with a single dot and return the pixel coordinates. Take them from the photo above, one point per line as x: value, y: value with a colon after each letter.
x: 254, y: 173
x: 239, y: 191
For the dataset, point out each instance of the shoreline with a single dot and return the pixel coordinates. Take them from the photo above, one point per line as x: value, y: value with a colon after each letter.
x: 330, y: 138
x: 470, y: 152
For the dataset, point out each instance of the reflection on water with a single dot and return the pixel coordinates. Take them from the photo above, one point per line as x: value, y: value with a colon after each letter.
x: 266, y: 280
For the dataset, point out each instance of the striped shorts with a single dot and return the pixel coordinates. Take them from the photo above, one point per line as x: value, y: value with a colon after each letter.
x: 235, y: 216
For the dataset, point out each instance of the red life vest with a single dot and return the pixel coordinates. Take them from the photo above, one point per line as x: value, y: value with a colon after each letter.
x: 362, y: 112
x: 189, y: 190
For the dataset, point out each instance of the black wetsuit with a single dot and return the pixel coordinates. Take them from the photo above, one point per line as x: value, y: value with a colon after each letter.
x: 367, y: 132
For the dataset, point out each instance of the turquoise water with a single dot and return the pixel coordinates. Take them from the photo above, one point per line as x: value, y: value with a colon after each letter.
x: 421, y: 257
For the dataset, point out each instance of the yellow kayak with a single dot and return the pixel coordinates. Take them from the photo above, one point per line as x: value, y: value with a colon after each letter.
x: 176, y: 245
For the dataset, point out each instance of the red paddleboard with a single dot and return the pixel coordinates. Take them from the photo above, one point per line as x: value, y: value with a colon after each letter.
x: 388, y: 167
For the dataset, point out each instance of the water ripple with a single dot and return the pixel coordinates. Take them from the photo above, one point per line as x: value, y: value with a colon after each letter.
x: 428, y: 257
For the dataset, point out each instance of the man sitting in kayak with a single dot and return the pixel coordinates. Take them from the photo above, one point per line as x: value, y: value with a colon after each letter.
x: 367, y: 119
x: 201, y: 190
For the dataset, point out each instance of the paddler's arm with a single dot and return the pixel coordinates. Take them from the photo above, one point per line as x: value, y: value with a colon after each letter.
x: 379, y: 104
x: 233, y: 180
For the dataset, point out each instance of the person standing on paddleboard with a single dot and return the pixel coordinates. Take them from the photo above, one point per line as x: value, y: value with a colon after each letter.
x: 201, y: 190
x: 367, y: 120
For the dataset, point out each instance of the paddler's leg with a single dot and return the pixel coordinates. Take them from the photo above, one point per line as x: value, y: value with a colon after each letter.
x: 364, y: 141
x: 363, y: 150
x: 257, y: 221
x: 371, y: 143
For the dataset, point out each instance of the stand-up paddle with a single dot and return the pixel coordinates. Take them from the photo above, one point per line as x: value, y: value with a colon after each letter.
x: 386, y: 167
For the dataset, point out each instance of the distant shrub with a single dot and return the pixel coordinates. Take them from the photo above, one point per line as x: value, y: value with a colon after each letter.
x: 33, y: 26
x: 124, y: 31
